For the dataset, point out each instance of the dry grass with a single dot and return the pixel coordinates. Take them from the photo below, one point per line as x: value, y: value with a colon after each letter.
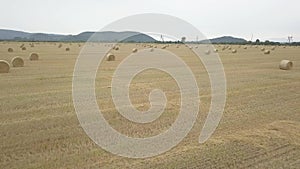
x: 259, y: 129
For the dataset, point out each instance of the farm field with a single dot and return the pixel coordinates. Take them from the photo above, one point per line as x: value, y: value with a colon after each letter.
x: 259, y: 128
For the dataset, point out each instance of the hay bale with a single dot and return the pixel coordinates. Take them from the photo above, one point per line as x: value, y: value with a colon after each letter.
x: 60, y: 45
x: 273, y: 48
x: 207, y: 52
x: 110, y: 57
x: 286, y: 65
x: 67, y: 49
x: 23, y: 48
x: 17, y: 62
x: 33, y: 56
x: 4, y: 66
x: 151, y: 50
x: 134, y: 50
x: 10, y: 50
x: 234, y: 51
x: 266, y: 52
x: 245, y: 47
x: 262, y: 49
x: 116, y: 48
x: 216, y: 50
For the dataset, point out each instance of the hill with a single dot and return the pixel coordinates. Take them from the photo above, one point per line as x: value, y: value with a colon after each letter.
x: 108, y: 36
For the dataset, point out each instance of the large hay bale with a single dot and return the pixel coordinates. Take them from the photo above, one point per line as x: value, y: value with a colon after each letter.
x: 266, y: 52
x: 245, y: 47
x: 134, y: 50
x: 234, y: 51
x: 286, y: 65
x: 273, y: 48
x: 67, y: 49
x: 262, y: 49
x: 60, y: 45
x: 4, y: 66
x: 116, y: 48
x: 10, y: 49
x: 23, y: 48
x: 17, y: 62
x: 216, y: 50
x: 110, y: 57
x: 34, y: 56
x: 151, y: 50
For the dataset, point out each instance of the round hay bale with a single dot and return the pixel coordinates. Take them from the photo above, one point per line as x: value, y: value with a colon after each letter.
x: 234, y: 51
x: 23, y: 48
x: 110, y: 57
x: 151, y: 50
x: 33, y: 56
x: 266, y: 52
x: 286, y: 65
x: 116, y: 48
x: 67, y: 49
x: 262, y: 49
x: 245, y: 47
x: 17, y: 62
x: 134, y: 50
x: 60, y: 45
x: 207, y: 52
x: 216, y: 50
x: 4, y: 66
x: 10, y: 50
x: 273, y: 48
x: 229, y: 48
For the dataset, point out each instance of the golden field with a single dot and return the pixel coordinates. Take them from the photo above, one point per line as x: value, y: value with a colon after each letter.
x: 259, y: 129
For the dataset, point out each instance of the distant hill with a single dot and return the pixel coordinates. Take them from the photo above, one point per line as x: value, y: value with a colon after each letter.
x: 97, y: 36
x: 225, y: 39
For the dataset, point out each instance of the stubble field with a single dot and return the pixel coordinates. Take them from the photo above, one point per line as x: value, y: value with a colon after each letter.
x: 259, y: 129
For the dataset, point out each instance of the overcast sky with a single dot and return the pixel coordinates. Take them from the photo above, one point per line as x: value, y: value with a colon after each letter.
x: 265, y: 19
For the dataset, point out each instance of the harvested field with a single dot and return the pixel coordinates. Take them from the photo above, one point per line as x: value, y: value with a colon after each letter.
x: 259, y: 129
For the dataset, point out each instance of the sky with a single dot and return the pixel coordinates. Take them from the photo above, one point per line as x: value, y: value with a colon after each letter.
x: 264, y: 19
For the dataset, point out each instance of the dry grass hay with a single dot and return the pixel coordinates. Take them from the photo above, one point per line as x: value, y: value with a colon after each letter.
x: 134, y: 50
x: 10, y: 49
x: 34, y: 56
x: 67, y: 49
x: 267, y: 52
x: 234, y: 51
x: 17, y: 62
x: 110, y: 57
x: 23, y: 48
x: 4, y: 66
x: 286, y: 65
